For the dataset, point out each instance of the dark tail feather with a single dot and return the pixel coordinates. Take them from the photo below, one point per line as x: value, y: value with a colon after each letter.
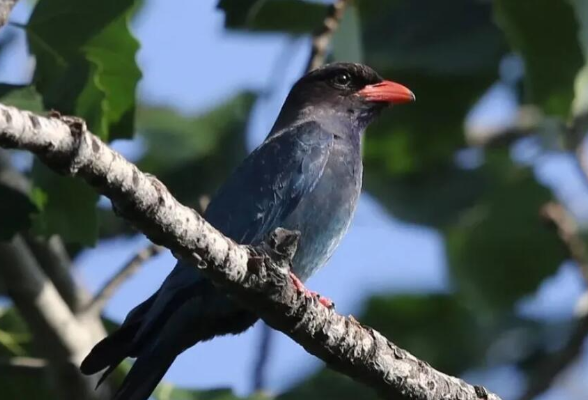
x: 111, y: 350
x: 144, y: 376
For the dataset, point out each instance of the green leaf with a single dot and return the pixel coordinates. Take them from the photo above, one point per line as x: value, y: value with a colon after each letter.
x: 545, y: 32
x: 68, y: 207
x: 16, y: 209
x: 501, y: 250
x: 292, y: 16
x: 86, y: 61
x: 194, y: 155
x: 21, y: 96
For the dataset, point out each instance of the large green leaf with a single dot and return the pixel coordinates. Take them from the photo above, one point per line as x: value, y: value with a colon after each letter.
x: 545, y: 32
x: 293, y: 16
x: 500, y: 250
x: 68, y: 207
x: 86, y: 61
x: 194, y: 155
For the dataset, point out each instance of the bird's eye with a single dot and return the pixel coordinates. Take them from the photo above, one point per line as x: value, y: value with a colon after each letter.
x: 342, y: 80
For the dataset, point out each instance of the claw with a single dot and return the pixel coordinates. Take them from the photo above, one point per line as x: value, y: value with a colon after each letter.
x: 325, y: 301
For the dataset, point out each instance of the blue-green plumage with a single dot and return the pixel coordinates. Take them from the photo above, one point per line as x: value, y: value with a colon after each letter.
x: 306, y: 176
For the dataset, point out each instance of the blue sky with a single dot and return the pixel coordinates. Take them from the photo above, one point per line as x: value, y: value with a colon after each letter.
x: 191, y: 63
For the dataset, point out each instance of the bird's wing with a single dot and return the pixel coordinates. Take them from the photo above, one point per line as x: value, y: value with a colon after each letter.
x: 270, y: 183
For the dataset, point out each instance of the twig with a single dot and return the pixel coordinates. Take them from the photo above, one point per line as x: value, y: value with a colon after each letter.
x: 23, y: 362
x: 322, y: 37
x: 568, y: 232
x: 257, y: 277
x: 265, y: 342
x: 556, y: 363
x: 6, y: 7
x: 96, y: 305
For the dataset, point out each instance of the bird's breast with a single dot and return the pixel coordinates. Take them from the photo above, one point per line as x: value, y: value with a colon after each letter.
x: 324, y: 215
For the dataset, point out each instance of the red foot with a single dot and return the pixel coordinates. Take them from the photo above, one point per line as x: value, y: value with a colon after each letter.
x: 309, y: 293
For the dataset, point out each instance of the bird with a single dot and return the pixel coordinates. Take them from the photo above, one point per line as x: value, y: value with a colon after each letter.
x: 306, y: 176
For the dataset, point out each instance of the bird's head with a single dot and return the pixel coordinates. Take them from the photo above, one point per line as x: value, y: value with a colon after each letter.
x: 341, y: 93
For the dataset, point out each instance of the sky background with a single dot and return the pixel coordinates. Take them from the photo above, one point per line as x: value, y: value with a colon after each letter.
x: 191, y: 63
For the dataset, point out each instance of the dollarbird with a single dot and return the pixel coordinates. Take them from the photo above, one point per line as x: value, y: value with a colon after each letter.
x: 306, y: 176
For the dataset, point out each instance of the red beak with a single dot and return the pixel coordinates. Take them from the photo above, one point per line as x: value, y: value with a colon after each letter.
x: 387, y: 92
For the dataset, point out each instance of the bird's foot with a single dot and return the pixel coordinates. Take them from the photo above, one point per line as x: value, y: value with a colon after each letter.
x: 325, y: 301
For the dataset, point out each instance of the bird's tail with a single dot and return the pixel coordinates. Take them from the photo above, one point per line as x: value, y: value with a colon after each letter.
x: 113, y: 349
x: 144, y: 375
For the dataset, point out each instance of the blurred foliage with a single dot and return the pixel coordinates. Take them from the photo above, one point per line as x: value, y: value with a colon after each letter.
x: 498, y: 251
x: 21, y: 96
x: 194, y: 155
x: 292, y: 16
x: 168, y: 392
x: 15, y: 340
x: 552, y: 56
x: 58, y: 196
x: 16, y: 209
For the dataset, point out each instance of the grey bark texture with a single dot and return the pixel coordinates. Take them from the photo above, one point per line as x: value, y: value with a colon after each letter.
x: 255, y: 277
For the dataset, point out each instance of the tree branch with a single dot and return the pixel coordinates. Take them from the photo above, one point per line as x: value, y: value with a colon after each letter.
x: 322, y: 37
x: 96, y: 305
x: 6, y: 7
x: 568, y: 232
x: 553, y: 365
x: 257, y: 277
x: 58, y: 334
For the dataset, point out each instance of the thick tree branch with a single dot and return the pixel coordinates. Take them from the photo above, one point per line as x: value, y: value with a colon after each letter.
x: 58, y: 334
x: 322, y: 37
x: 97, y: 303
x: 255, y: 279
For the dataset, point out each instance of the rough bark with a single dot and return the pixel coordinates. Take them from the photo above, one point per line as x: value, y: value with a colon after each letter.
x: 257, y: 277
